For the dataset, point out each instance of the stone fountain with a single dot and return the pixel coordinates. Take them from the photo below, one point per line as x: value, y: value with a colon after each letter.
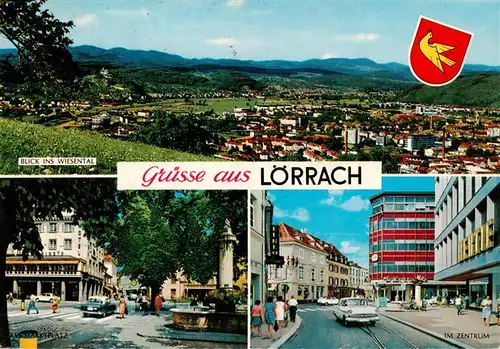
x: 205, y: 318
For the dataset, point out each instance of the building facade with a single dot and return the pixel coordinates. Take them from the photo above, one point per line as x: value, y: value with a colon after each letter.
x: 258, y: 206
x: 415, y: 142
x: 401, y: 239
x: 72, y: 266
x: 467, y: 241
x: 304, y: 274
x: 338, y: 273
x: 180, y: 287
x: 358, y: 275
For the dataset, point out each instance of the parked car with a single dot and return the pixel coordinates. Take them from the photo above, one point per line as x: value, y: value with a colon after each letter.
x: 45, y: 297
x: 350, y: 310
x: 132, y: 297
x: 328, y: 301
x: 98, y: 305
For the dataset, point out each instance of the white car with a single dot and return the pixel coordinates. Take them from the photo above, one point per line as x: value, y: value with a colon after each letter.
x: 328, y: 301
x: 45, y: 297
x: 350, y: 310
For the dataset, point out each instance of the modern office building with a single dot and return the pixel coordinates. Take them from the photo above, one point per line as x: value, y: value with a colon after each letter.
x: 401, y: 240
x: 467, y: 241
x: 415, y: 142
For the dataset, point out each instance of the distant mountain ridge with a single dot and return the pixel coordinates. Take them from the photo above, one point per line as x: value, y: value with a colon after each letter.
x: 355, y: 66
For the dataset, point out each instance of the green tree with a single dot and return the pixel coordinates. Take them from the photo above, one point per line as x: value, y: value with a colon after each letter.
x: 41, y: 41
x: 186, y: 133
x: 94, y: 201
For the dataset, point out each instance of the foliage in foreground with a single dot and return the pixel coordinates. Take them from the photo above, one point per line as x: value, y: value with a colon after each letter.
x: 18, y: 139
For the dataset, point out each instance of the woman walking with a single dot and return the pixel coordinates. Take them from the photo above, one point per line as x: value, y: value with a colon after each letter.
x: 121, y: 307
x: 269, y: 316
x: 486, y: 305
x: 257, y: 314
x: 158, y: 304
x: 279, y: 310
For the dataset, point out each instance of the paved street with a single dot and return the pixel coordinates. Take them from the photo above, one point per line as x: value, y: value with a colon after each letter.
x: 321, y: 330
x: 135, y: 331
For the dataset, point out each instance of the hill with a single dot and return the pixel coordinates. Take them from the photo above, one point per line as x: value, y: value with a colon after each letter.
x: 473, y: 90
x: 21, y: 139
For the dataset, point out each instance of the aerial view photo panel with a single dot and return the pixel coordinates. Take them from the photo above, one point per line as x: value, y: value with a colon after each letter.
x: 238, y: 80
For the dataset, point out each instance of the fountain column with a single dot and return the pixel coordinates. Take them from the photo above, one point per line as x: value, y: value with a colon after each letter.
x: 226, y: 248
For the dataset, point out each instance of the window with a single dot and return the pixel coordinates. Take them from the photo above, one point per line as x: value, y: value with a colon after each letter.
x: 52, y: 244
x: 330, y: 281
x: 67, y: 244
x: 301, y: 253
x: 68, y: 227
x: 251, y: 215
x: 313, y: 257
x: 321, y: 276
x: 313, y: 274
x: 301, y: 272
x: 53, y: 227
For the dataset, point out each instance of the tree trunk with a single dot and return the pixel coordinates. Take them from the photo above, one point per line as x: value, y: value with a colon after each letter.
x: 4, y: 243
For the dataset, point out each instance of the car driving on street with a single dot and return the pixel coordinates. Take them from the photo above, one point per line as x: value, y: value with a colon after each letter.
x: 98, y: 305
x: 328, y: 301
x: 351, y: 310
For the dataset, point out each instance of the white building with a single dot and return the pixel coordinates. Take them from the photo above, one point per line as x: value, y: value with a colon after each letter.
x: 358, y: 275
x: 305, y: 269
x: 258, y: 206
x: 353, y: 136
x: 72, y: 265
x: 467, y: 243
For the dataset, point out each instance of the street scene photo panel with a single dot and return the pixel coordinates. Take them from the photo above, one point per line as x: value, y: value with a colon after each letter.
x: 415, y: 264
x: 87, y: 266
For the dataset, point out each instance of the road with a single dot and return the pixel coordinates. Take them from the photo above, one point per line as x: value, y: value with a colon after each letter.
x: 321, y: 330
x: 97, y: 333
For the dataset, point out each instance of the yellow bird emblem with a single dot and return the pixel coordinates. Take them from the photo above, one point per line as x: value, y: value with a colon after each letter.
x: 433, y: 52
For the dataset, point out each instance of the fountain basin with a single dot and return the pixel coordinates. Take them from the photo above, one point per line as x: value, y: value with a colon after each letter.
x: 206, y: 319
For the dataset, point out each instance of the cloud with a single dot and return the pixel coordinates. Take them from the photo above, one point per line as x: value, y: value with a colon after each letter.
x: 355, y: 203
x: 333, y: 195
x: 329, y: 55
x: 221, y: 41
x: 357, y: 37
x: 348, y: 248
x: 299, y: 214
x: 235, y: 3
x: 122, y: 12
x: 85, y: 20
x: 271, y: 197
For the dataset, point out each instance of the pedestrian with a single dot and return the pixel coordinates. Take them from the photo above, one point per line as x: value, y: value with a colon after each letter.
x: 292, y: 305
x: 194, y: 302
x: 466, y: 301
x: 122, y: 305
x: 145, y: 304
x: 280, y: 308
x: 158, y: 304
x: 498, y: 310
x: 458, y: 305
x: 257, y: 314
x: 486, y: 305
x: 32, y: 304
x: 55, y: 304
x: 269, y: 316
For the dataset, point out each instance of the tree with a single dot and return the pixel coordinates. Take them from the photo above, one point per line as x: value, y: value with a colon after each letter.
x: 94, y: 201
x: 187, y: 133
x: 41, y: 41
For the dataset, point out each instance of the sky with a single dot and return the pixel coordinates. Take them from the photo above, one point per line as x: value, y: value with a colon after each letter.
x: 339, y: 216
x: 276, y: 29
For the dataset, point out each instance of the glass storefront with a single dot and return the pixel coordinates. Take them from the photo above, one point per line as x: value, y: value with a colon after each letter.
x: 478, y: 289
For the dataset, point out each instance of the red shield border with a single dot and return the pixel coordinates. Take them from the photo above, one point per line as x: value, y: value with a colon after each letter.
x: 413, y: 43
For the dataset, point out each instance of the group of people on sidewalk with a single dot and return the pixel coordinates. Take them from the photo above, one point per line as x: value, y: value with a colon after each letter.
x: 143, y: 305
x: 273, y: 313
x: 486, y: 306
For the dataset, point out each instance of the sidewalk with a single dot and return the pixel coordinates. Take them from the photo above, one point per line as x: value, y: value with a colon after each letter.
x: 279, y: 338
x: 444, y: 323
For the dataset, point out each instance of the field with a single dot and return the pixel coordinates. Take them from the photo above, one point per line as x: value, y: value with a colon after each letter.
x: 221, y: 105
x: 20, y: 139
